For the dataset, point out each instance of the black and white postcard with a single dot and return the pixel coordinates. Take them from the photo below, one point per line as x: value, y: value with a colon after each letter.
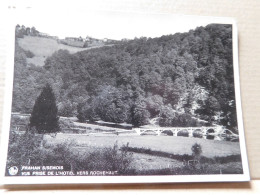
x: 109, y: 97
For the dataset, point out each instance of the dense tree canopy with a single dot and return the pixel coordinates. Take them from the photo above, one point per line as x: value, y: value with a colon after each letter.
x: 178, y: 78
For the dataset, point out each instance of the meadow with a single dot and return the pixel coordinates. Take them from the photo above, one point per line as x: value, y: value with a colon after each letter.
x: 43, y: 47
x: 170, y: 144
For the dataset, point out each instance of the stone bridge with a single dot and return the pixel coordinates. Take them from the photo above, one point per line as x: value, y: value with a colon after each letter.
x: 214, y: 130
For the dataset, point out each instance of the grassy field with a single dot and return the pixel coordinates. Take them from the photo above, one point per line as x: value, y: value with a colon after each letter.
x: 43, y: 47
x: 171, y: 144
x: 152, y: 164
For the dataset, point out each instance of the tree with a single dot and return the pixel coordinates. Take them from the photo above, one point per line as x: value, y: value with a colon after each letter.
x: 209, y: 109
x: 166, y: 116
x: 23, y: 30
x: 44, y: 116
x: 140, y: 115
x: 34, y: 32
x: 28, y: 31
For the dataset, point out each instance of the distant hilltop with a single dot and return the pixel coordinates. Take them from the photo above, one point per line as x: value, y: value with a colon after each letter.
x: 21, y: 31
x: 86, y: 42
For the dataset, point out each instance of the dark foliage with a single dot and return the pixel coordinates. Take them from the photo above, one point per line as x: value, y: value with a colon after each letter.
x: 22, y: 148
x: 26, y: 150
x: 179, y: 78
x: 20, y: 31
x: 196, y: 151
x: 44, y: 116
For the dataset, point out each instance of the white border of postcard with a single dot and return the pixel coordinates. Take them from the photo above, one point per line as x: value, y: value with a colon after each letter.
x: 118, y: 179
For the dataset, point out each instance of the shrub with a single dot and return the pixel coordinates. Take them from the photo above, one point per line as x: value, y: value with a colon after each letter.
x: 66, y: 123
x: 118, y: 159
x: 22, y: 148
x: 196, y: 151
x: 19, y: 120
x: 29, y: 54
x: 27, y: 150
x: 109, y: 159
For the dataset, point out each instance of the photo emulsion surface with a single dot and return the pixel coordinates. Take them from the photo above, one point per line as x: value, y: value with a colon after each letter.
x: 141, y: 106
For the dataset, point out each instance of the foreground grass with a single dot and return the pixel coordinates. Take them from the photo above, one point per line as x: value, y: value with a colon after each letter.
x: 202, y: 169
x: 184, y: 157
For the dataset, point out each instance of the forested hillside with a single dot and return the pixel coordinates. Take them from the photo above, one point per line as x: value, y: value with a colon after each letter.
x: 184, y: 79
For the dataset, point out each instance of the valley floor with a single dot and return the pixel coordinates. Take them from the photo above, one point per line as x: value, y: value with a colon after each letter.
x: 171, y: 144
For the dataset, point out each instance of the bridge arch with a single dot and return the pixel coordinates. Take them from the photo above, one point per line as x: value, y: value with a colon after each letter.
x: 168, y: 132
x: 228, y: 135
x: 210, y: 130
x: 149, y: 132
x: 183, y: 133
x: 228, y: 132
x: 210, y: 133
x: 201, y: 132
x: 197, y: 133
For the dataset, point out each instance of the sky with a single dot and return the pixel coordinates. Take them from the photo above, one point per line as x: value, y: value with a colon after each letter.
x: 67, y: 22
